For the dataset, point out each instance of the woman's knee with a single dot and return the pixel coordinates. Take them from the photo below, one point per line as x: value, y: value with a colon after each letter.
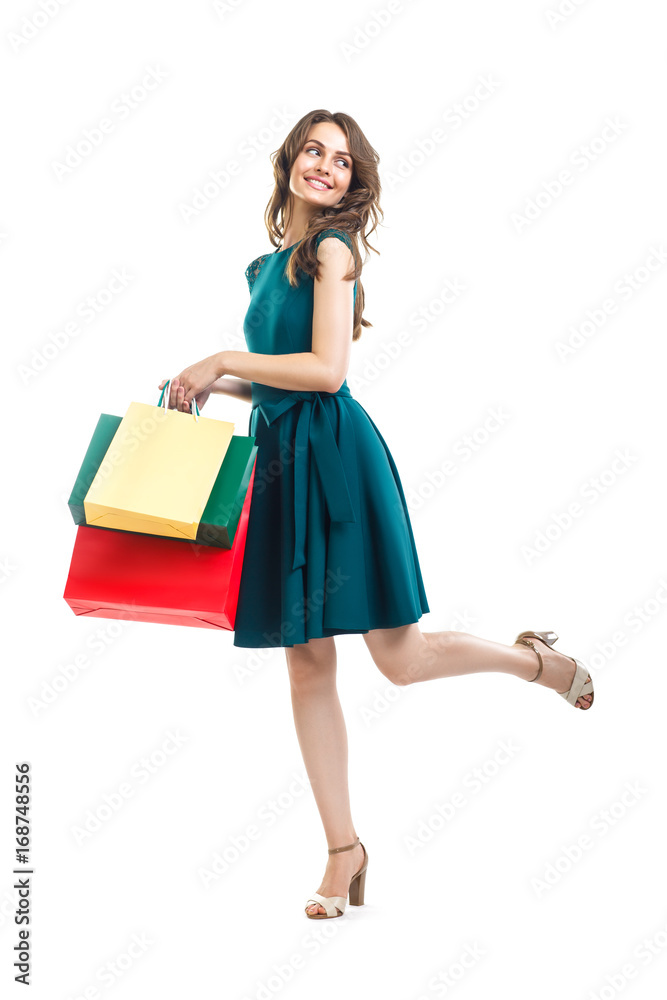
x: 310, y: 664
x: 400, y: 653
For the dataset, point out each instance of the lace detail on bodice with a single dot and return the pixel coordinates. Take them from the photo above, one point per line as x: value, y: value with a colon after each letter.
x: 335, y: 232
x: 253, y: 269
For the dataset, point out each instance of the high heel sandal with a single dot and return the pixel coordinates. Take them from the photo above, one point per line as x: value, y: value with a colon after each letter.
x: 581, y: 682
x: 356, y: 890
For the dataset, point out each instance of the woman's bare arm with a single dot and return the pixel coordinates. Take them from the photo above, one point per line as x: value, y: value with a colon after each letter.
x: 241, y: 388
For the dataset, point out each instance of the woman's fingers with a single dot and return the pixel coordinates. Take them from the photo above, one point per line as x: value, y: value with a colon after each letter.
x: 176, y: 399
x: 171, y: 401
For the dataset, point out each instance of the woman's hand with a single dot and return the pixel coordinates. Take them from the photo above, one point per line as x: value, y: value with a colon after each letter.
x: 194, y: 382
x: 178, y: 394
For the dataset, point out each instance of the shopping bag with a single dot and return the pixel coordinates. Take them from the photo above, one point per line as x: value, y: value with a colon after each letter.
x: 220, y: 518
x: 145, y: 577
x: 103, y: 435
x: 222, y: 513
x: 158, y: 472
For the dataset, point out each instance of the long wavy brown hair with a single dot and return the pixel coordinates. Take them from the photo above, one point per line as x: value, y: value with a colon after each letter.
x: 353, y: 215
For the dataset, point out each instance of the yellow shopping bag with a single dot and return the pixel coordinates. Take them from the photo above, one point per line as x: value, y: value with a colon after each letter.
x: 158, y: 472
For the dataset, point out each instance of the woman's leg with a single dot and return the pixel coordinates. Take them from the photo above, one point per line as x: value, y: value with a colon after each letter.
x: 406, y: 655
x: 322, y: 736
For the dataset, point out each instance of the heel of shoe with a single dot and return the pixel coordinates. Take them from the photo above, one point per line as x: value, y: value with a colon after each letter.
x: 549, y: 637
x: 358, y: 888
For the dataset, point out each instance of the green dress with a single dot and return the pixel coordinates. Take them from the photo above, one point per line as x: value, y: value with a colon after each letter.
x: 329, y: 548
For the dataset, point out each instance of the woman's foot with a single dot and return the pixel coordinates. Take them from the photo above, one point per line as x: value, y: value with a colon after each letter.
x: 341, y: 868
x: 558, y: 670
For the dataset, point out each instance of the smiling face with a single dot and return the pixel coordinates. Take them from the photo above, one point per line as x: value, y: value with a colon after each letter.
x: 322, y: 172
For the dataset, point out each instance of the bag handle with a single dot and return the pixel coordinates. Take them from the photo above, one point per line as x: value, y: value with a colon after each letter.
x: 166, y: 393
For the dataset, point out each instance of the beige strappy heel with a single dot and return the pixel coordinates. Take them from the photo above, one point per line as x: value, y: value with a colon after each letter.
x: 356, y: 891
x: 581, y: 682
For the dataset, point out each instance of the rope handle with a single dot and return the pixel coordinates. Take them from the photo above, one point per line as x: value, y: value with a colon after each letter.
x: 165, y: 395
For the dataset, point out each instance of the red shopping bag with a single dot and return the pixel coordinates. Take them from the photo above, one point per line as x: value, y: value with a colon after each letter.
x: 151, y: 578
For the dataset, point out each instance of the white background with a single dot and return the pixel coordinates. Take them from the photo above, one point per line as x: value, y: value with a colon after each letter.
x: 244, y: 72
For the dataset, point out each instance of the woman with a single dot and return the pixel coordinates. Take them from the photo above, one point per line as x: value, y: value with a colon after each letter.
x: 330, y: 548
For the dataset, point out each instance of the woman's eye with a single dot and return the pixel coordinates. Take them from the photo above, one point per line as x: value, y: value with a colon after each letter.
x: 314, y: 149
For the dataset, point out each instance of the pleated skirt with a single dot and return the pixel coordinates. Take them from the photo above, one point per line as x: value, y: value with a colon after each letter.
x: 354, y: 575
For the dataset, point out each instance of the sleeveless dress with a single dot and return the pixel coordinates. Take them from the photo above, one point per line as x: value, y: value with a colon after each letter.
x: 329, y: 546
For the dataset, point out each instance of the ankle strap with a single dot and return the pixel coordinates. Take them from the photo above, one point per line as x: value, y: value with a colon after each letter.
x: 529, y: 642
x: 348, y: 847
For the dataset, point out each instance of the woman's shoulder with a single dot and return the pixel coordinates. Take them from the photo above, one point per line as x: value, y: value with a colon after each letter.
x: 337, y: 233
x: 255, y: 266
